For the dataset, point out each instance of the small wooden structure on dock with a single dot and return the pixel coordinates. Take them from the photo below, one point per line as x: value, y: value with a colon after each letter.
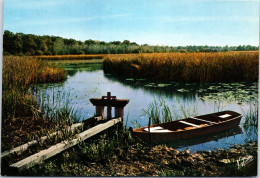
x: 109, y: 101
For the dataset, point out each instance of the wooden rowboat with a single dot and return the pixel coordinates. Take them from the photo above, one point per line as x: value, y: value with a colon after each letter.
x: 188, y: 127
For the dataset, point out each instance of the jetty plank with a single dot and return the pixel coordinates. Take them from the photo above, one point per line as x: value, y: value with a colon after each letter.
x: 55, y: 149
x: 25, y: 146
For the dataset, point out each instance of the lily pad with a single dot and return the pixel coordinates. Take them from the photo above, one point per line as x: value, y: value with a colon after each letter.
x: 130, y: 79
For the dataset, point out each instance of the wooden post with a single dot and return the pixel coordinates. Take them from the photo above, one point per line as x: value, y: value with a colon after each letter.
x: 100, y: 111
x: 109, y: 102
x: 119, y: 112
x: 109, y: 109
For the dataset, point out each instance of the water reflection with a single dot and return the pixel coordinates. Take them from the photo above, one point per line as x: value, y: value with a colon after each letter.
x: 73, y: 69
x: 225, y: 136
x: 168, y: 90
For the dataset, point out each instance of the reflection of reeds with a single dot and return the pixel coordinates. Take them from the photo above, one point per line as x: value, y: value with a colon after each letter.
x: 186, y: 67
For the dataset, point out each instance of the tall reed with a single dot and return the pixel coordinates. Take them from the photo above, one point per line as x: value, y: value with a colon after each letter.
x: 71, y: 57
x: 19, y: 73
x: 186, y: 67
x: 21, y: 112
x: 160, y: 112
x: 250, y: 123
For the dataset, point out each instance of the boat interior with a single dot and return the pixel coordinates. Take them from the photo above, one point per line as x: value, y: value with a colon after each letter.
x: 192, y: 122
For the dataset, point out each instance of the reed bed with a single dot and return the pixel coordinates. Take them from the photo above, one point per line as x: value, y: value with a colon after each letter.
x: 20, y: 110
x: 71, y: 57
x: 159, y: 111
x: 186, y: 67
x: 19, y: 73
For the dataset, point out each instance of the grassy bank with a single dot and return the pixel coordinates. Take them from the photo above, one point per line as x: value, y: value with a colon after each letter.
x: 19, y: 73
x: 20, y: 112
x: 186, y: 67
x: 116, y: 154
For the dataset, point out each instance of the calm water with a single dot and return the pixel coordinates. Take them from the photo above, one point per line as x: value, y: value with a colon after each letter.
x: 85, y: 81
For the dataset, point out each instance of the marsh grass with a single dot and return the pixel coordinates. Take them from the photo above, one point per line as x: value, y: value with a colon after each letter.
x: 56, y: 105
x: 23, y: 116
x: 186, y: 67
x: 71, y: 57
x: 250, y: 123
x: 251, y: 116
x: 19, y: 73
x: 160, y: 112
x: 105, y: 146
x: 62, y: 134
x: 99, y: 149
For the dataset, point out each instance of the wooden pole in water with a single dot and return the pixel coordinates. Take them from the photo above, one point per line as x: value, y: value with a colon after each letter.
x: 110, y: 101
x: 109, y: 109
x: 100, y: 111
x: 119, y: 112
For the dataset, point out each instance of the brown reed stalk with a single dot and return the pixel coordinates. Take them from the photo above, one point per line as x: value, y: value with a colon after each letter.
x: 186, y: 67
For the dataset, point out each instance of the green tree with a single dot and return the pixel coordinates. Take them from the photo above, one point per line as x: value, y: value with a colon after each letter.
x: 58, y: 46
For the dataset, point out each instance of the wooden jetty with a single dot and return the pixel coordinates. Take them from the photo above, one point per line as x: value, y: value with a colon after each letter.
x: 24, y: 147
x: 55, y: 149
x: 106, y: 101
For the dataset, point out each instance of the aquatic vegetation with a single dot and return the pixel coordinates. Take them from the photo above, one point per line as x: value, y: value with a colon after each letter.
x: 57, y: 106
x: 250, y: 123
x: 159, y: 112
x: 186, y: 67
x: 229, y: 93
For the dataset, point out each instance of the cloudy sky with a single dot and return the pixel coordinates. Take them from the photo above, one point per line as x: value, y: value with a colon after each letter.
x: 157, y: 22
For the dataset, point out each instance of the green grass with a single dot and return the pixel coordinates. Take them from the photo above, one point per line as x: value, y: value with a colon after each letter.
x: 160, y: 112
x: 250, y: 123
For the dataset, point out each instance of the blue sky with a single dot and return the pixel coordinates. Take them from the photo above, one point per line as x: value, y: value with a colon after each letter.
x: 156, y: 22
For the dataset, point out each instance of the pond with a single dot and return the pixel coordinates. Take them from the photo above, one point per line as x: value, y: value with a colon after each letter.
x: 87, y: 80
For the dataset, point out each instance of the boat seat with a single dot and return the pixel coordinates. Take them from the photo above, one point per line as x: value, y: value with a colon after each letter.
x: 163, y: 130
x: 225, y: 115
x: 203, y: 120
x: 157, y: 129
x: 153, y: 128
x: 187, y: 123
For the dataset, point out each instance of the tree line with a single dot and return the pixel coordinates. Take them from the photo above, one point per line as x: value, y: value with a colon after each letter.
x: 29, y: 44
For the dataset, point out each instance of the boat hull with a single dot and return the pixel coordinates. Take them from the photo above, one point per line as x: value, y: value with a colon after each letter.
x: 168, y: 136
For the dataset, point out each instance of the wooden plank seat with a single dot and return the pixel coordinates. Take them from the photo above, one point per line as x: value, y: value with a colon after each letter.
x: 225, y: 116
x: 153, y: 128
x: 187, y: 123
x: 203, y: 120
x: 163, y: 130
x: 157, y: 129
